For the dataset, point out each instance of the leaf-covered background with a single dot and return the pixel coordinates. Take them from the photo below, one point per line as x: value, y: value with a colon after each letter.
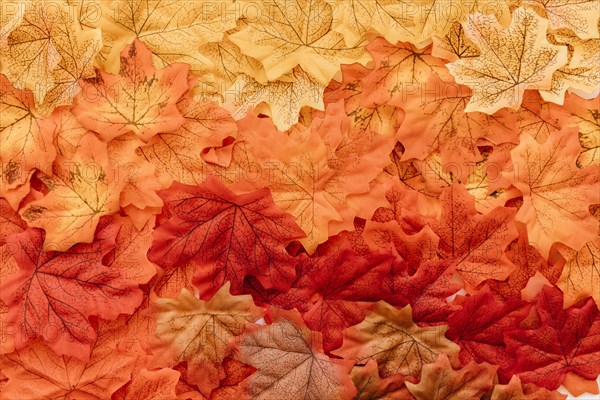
x: 299, y: 199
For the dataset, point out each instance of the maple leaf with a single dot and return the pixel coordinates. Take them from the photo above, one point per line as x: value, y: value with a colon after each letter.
x: 68, y: 132
x: 141, y: 98
x: 398, y: 69
x: 474, y: 243
x: 37, y: 372
x: 152, y: 385
x: 454, y: 45
x: 55, y: 293
x: 514, y: 390
x: 290, y: 362
x: 581, y: 75
x: 390, y: 337
x: 566, y: 340
x: 230, y: 235
x: 177, y: 154
x: 480, y: 325
x: 129, y: 254
x: 512, y: 59
x: 283, y: 36
x: 359, y: 18
x: 10, y: 19
x: 581, y: 275
x: 555, y: 190
x: 10, y: 221
x: 439, y: 380
x: 435, y: 18
x: 198, y: 332
x: 579, y: 16
x: 231, y: 386
x: 435, y: 119
x: 529, y: 262
x: 30, y: 55
x: 371, y: 387
x: 25, y: 136
x: 285, y: 97
x: 80, y: 191
x: 164, y: 26
x: 585, y: 114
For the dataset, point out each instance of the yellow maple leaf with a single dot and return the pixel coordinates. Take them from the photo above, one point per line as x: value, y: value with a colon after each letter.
x: 284, y: 98
x: 512, y: 59
x: 581, y: 75
x: 81, y: 190
x: 198, y: 332
x: 297, y: 32
x: 173, y: 30
x: 580, y: 16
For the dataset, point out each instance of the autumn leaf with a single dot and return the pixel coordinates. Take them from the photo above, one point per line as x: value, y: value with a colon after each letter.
x: 566, y: 340
x: 25, y: 136
x: 164, y: 26
x: 581, y: 275
x: 30, y: 54
x: 38, y: 372
x: 285, y: 97
x: 512, y: 59
x: 556, y: 193
x: 141, y: 98
x: 585, y: 114
x: 80, y: 191
x: 480, y: 325
x: 581, y: 17
x: 454, y: 45
x: 515, y: 390
x: 177, y: 154
x: 284, y: 36
x: 435, y: 18
x: 231, y: 236
x: 55, y: 293
x: 198, y: 332
x: 358, y: 18
x: 290, y: 362
x: 529, y: 262
x: 399, y: 69
x: 390, y: 337
x: 371, y: 387
x: 153, y: 385
x: 129, y: 254
x: 474, y: 242
x: 435, y: 119
x: 439, y: 380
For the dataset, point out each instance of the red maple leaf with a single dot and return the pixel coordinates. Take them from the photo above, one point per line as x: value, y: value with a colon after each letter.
x: 230, y: 236
x: 55, y: 293
x: 565, y: 340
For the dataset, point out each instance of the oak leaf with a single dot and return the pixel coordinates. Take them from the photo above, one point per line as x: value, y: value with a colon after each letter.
x: 390, y: 337
x: 290, y: 362
x: 198, y: 332
x: 140, y: 99
x: 512, y: 59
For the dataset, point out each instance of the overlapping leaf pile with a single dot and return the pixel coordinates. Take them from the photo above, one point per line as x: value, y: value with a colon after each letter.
x: 302, y: 199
